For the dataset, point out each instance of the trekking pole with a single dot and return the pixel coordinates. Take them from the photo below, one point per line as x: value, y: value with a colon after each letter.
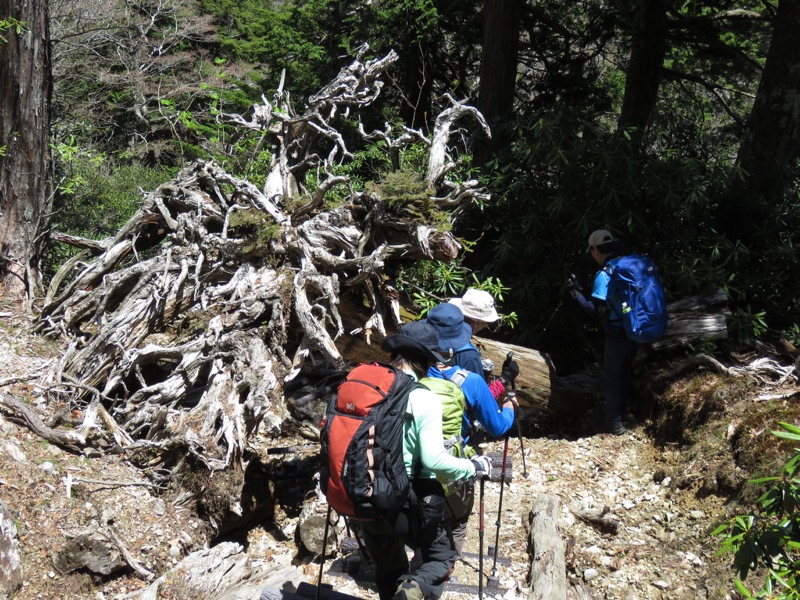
x: 492, y: 581
x: 512, y: 394
x: 480, y: 545
x: 324, y: 548
x: 522, y: 450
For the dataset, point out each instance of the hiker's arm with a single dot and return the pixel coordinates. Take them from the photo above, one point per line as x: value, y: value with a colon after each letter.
x: 590, y: 307
x: 594, y: 305
x: 433, y: 455
x: 484, y: 407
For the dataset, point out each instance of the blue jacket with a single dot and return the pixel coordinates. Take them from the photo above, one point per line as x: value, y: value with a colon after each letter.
x: 480, y: 406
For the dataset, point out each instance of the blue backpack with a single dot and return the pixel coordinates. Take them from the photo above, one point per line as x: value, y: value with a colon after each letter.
x: 636, y: 295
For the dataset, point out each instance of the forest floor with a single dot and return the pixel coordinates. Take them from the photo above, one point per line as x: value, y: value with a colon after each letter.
x: 669, y: 481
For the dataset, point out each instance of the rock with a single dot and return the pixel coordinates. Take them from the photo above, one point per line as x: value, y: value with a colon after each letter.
x: 14, y: 452
x: 10, y: 560
x: 661, y: 584
x: 94, y: 553
x: 590, y: 574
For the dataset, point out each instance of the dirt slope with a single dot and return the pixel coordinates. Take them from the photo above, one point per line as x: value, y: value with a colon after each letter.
x: 661, y: 551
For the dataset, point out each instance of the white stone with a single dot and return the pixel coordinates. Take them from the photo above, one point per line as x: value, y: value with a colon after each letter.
x: 590, y: 574
x: 14, y: 452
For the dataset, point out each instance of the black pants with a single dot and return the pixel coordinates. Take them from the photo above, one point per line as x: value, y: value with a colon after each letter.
x: 617, y: 363
x: 386, y: 541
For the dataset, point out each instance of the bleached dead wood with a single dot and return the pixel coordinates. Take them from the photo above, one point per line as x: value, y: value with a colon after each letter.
x: 224, y: 572
x: 182, y: 329
x: 695, y: 319
x: 603, y: 519
x: 548, y: 567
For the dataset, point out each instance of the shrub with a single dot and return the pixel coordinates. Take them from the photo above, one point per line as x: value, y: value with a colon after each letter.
x: 769, y: 537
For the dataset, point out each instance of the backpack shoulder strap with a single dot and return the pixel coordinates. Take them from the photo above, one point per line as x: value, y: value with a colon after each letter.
x: 459, y: 377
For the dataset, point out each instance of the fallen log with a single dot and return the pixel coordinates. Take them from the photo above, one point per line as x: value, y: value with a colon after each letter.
x: 695, y: 319
x: 538, y: 385
x: 548, y: 566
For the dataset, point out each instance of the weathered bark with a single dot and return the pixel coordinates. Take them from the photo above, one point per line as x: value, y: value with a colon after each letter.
x: 223, y: 572
x: 11, y: 575
x: 548, y: 566
x: 603, y: 519
x: 25, y: 155
x: 696, y: 319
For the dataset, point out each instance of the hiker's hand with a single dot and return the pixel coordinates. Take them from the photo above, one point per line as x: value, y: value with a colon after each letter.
x: 511, y: 402
x: 510, y: 370
x: 573, y: 285
x: 483, y: 466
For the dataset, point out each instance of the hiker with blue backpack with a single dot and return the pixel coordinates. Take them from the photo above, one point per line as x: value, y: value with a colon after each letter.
x: 476, y: 311
x: 628, y: 296
x: 466, y: 399
x: 360, y: 480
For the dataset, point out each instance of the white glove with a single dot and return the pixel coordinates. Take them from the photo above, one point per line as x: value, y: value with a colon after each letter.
x: 483, y: 466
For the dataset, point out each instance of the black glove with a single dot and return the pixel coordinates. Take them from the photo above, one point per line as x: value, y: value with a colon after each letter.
x: 483, y: 466
x: 573, y: 284
x: 510, y: 370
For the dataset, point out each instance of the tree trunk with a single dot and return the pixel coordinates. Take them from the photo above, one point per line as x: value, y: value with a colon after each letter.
x: 643, y: 77
x: 498, y: 75
x: 771, y: 143
x: 25, y: 156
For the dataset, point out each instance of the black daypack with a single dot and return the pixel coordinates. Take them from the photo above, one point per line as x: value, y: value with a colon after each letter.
x: 363, y: 474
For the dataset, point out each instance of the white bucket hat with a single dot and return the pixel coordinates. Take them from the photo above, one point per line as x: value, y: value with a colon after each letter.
x: 477, y: 305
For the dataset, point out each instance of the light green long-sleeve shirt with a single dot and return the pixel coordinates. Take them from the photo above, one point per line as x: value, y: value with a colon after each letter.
x: 423, y: 441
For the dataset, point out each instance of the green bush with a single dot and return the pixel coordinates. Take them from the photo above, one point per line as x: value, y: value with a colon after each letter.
x: 769, y: 537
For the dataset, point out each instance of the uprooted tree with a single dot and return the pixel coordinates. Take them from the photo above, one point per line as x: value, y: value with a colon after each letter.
x: 182, y: 330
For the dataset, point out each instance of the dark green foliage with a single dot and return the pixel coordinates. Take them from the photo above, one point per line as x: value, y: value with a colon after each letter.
x: 769, y: 537
x: 96, y: 197
x: 295, y: 36
x: 564, y: 177
x: 565, y: 172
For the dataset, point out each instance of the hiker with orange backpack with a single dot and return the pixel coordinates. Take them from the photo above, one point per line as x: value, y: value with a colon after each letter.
x: 419, y: 520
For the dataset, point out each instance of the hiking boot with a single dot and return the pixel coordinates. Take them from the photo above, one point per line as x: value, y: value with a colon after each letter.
x: 408, y: 590
x: 614, y: 429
